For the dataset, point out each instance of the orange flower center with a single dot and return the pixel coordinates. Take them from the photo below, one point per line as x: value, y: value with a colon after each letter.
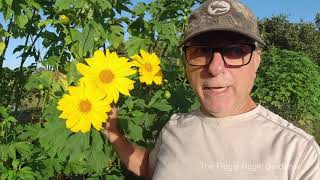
x: 148, y: 67
x: 85, y: 106
x: 106, y: 76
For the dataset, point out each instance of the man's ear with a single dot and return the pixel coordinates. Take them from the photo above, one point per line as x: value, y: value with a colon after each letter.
x: 257, y: 59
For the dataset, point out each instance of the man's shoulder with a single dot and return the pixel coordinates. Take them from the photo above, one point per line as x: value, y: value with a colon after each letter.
x: 273, y: 118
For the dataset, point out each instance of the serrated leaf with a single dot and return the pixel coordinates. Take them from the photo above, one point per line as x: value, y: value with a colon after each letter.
x: 63, y: 4
x: 43, y: 78
x: 50, y: 61
x: 104, y: 5
x: 149, y: 119
x: 163, y: 105
x: 26, y: 173
x: 115, y: 35
x: 134, y: 45
x: 77, y: 144
x: 135, y: 131
x: 53, y: 137
x: 85, y: 40
x: 4, y: 153
x: 8, y: 14
x: 45, y: 23
x: 33, y: 4
x: 155, y: 97
x: 12, y: 151
x: 21, y: 20
x: 24, y: 149
x: 52, y: 166
x: 139, y: 9
x: 73, y: 75
x: 97, y: 160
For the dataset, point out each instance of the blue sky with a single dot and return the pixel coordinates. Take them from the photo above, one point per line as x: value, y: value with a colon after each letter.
x: 295, y: 9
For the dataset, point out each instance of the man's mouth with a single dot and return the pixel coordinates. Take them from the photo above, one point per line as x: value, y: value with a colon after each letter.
x: 216, y: 90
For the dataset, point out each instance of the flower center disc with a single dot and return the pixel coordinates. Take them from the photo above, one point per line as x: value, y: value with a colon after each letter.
x: 85, y: 106
x: 148, y: 67
x: 106, y: 76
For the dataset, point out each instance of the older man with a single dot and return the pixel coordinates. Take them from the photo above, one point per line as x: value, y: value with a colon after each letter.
x: 230, y: 137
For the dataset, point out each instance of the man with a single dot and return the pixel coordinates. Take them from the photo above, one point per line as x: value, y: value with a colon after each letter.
x: 230, y: 137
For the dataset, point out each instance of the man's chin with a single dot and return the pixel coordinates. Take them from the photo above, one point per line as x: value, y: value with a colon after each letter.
x: 217, y: 109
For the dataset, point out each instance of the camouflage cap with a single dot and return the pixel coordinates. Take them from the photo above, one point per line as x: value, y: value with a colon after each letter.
x: 223, y: 15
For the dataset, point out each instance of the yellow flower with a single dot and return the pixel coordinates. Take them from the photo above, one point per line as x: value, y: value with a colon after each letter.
x: 108, y: 73
x: 149, y: 67
x: 82, y: 107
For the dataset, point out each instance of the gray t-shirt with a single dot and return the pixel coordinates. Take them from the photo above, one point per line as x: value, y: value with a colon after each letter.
x: 257, y: 145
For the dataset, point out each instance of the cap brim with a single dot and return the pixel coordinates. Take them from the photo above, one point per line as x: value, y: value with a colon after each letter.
x: 212, y: 29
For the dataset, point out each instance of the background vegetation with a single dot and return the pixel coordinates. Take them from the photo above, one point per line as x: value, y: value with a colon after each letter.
x: 34, y: 142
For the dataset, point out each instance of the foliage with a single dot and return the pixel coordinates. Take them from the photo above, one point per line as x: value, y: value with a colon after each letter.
x: 302, y: 36
x: 289, y: 83
x: 58, y: 34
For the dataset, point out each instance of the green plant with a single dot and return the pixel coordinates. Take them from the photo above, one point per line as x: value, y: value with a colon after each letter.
x: 288, y: 83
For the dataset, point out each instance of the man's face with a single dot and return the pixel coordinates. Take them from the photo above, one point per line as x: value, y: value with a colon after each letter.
x: 223, y: 90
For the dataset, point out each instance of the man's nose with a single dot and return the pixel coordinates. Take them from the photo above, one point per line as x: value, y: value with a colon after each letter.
x: 216, y: 65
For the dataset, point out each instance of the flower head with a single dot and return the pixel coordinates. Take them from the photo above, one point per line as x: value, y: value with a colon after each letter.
x: 82, y: 107
x: 108, y: 73
x: 149, y: 67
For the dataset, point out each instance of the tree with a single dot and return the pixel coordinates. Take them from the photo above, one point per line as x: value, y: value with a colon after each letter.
x: 302, y: 37
x: 288, y: 83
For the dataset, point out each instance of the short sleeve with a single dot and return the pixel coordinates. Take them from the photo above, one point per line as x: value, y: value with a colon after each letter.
x: 309, y: 164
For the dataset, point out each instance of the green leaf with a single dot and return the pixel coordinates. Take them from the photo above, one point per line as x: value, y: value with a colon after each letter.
x: 63, y: 4
x: 45, y: 23
x: 33, y: 4
x: 134, y: 45
x: 149, y: 120
x: 52, y: 166
x: 4, y: 153
x: 104, y: 5
x: 18, y: 48
x: 139, y: 9
x: 43, y: 78
x: 155, y: 97
x: 8, y: 14
x: 53, y: 137
x: 114, y: 177
x: 167, y: 32
x: 30, y: 132
x: 51, y: 61
x: 24, y: 149
x: 12, y: 151
x: 21, y: 20
x: 115, y: 35
x: 135, y: 131
x: 97, y: 160
x: 26, y: 173
x: 73, y: 75
x: 163, y: 105
x: 2, y: 47
x: 9, y: 2
x: 77, y: 144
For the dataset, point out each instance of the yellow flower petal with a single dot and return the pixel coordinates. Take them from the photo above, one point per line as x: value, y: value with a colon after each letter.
x: 84, y: 107
x: 110, y: 71
x: 149, y: 67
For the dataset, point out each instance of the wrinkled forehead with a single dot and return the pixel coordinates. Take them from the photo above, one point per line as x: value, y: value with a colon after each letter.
x: 217, y: 38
